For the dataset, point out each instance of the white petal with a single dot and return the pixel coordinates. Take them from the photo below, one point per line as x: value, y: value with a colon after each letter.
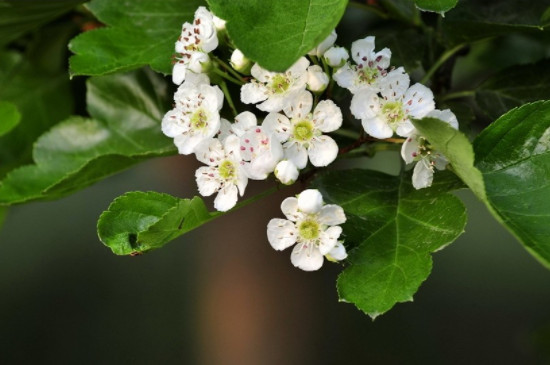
x: 277, y: 124
x: 232, y: 147
x: 327, y: 116
x: 422, y: 174
x: 324, y: 45
x: 253, y: 93
x: 440, y: 161
x: 418, y: 101
x: 365, y: 104
x: 281, y: 233
x: 382, y: 59
x: 178, y: 72
x: 377, y: 128
x: 329, y: 238
x: 300, y: 106
x: 172, y: 124
x: 242, y: 180
x: 395, y: 84
x: 299, y: 67
x: 296, y: 153
x: 187, y: 143
x: 243, y: 122
x: 310, y: 201
x: 206, y: 180
x: 197, y: 79
x: 198, y: 62
x: 332, y: 215
x: 409, y: 149
x: 289, y: 207
x: 445, y: 115
x: 286, y: 172
x: 317, y: 80
x: 405, y: 128
x: 275, y: 103
x: 260, y: 73
x: 226, y: 198
x: 306, y: 257
x: 338, y: 253
x: 225, y: 129
x: 361, y: 49
x: 322, y: 151
x: 210, y: 152
x: 345, y: 77
x: 336, y: 56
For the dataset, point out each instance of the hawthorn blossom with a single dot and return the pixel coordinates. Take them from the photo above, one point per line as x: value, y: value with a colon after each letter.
x: 301, y: 131
x: 312, y: 226
x: 224, y: 174
x: 286, y: 172
x: 317, y: 80
x: 275, y: 90
x: 196, y: 114
x: 193, y: 45
x: 336, y: 56
x: 369, y: 68
x: 417, y: 149
x: 259, y: 148
x: 324, y: 45
x: 240, y: 62
x: 391, y: 112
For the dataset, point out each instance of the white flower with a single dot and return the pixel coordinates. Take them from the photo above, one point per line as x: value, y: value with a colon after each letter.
x: 276, y: 90
x: 317, y: 80
x: 259, y: 149
x: 286, y: 172
x: 417, y: 149
x: 302, y: 134
x: 312, y: 226
x: 219, y: 23
x: 193, y: 45
x: 369, y: 67
x: 382, y: 116
x: 336, y: 56
x: 196, y: 115
x: 324, y: 45
x: 240, y: 62
x: 224, y: 173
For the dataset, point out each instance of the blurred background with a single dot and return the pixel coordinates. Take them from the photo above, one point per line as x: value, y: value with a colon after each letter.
x: 222, y: 295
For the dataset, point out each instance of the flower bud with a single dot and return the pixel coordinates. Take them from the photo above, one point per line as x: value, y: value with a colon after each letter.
x: 324, y: 45
x: 240, y: 62
x: 219, y: 23
x: 336, y: 56
x: 317, y: 80
x: 310, y: 201
x: 286, y: 172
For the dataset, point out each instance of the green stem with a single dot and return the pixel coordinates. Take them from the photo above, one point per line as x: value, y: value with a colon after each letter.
x: 347, y: 133
x: 458, y: 95
x: 230, y: 69
x: 444, y: 57
x: 227, y: 77
x: 257, y: 197
x: 228, y: 98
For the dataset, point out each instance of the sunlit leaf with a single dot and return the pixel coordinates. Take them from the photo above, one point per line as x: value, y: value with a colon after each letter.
x: 9, y: 117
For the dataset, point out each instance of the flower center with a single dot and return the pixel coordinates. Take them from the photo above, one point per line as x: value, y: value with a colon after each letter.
x: 393, y: 111
x: 309, y: 230
x: 280, y: 84
x: 303, y: 131
x: 368, y: 75
x: 227, y: 170
x: 199, y: 119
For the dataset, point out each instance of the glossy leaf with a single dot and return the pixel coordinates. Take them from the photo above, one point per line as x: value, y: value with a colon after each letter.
x: 276, y: 33
x: 513, y: 154
x: 138, y: 33
x: 513, y: 87
x: 438, y: 6
x: 9, y: 117
x: 18, y: 17
x: 138, y: 222
x: 394, y: 228
x: 127, y: 110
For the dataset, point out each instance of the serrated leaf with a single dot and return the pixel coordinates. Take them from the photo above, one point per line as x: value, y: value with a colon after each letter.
x: 394, y: 228
x: 437, y: 6
x: 127, y: 111
x: 9, y: 117
x: 471, y: 20
x: 276, y: 33
x: 513, y: 87
x: 513, y: 154
x: 18, y: 17
x: 138, y: 33
x: 458, y: 150
x: 138, y: 222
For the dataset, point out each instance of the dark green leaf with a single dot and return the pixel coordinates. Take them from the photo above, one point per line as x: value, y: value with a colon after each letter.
x: 438, y: 6
x: 276, y: 33
x: 138, y: 33
x: 394, y: 228
x: 137, y: 222
x: 513, y: 87
x: 513, y: 154
x: 9, y: 117
x: 127, y: 110
x: 458, y: 150
x: 18, y: 17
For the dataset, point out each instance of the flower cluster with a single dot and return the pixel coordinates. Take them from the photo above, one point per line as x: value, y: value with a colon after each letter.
x: 291, y: 129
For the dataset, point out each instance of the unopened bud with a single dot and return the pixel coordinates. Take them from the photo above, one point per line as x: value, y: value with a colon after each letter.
x: 286, y: 172
x: 240, y: 62
x: 317, y: 80
x: 336, y: 56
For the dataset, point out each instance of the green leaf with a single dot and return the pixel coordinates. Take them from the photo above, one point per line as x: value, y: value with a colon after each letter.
x: 276, y: 33
x: 437, y: 6
x: 458, y: 150
x: 513, y: 87
x: 18, y: 17
x: 138, y: 222
x: 394, y: 228
x: 127, y: 110
x: 513, y: 154
x: 472, y: 20
x: 138, y: 33
x: 9, y: 117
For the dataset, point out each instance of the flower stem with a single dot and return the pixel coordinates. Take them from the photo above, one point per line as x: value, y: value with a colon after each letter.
x: 228, y: 98
x: 251, y: 200
x: 458, y: 95
x: 227, y: 77
x: 230, y: 69
x: 444, y: 57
